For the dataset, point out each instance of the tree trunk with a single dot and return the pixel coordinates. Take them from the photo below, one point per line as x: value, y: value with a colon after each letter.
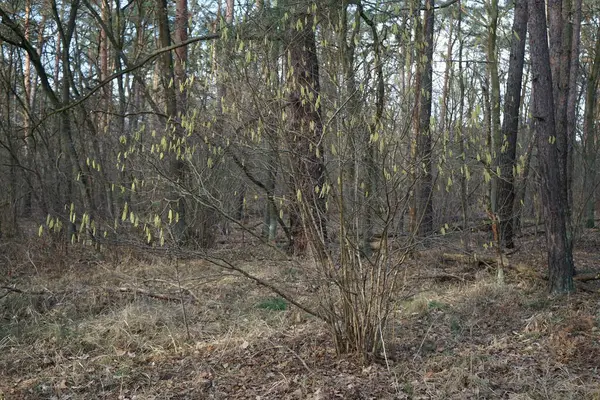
x: 370, y: 143
x: 27, y: 82
x: 306, y: 130
x: 560, y: 258
x: 168, y: 77
x: 73, y: 165
x: 510, y: 126
x: 181, y: 53
x: 446, y: 85
x: 522, y: 188
x: 589, y: 138
x: 229, y: 12
x: 8, y: 199
x: 493, y: 107
x: 563, y: 78
x: 270, y: 217
x: 561, y: 40
x: 464, y: 201
x: 424, y: 142
x: 572, y: 101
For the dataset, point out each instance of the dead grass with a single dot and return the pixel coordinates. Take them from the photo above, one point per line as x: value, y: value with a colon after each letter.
x: 73, y: 334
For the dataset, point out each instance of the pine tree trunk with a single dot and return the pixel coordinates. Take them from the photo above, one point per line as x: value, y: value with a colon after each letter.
x: 306, y: 130
x: 510, y: 126
x: 560, y: 258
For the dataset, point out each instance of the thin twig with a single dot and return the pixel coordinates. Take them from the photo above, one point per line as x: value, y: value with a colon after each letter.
x: 159, y: 296
x: 296, y: 355
x: 10, y: 290
x: 31, y: 261
x: 422, y: 342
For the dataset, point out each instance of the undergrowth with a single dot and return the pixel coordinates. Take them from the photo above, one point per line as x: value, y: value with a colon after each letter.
x: 84, y: 330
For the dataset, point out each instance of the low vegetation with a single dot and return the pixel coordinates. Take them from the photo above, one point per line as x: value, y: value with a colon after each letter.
x: 126, y: 324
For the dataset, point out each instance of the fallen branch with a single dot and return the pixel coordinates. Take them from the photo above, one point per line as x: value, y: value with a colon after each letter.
x: 513, y: 251
x: 179, y: 287
x: 159, y: 296
x: 580, y: 277
x: 527, y: 272
x: 9, y: 290
x: 222, y: 263
x: 587, y: 288
x: 475, y: 259
x: 442, y: 277
x: 534, y: 233
x: 591, y: 276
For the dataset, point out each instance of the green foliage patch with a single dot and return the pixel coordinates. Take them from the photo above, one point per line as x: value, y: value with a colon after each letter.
x: 273, y: 304
x: 436, y: 305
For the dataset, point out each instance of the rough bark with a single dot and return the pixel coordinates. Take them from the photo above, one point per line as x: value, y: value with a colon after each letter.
x: 306, y: 130
x: 564, y: 63
x: 416, y: 126
x: 510, y: 126
x: 560, y: 259
x: 424, y: 141
x: 494, y: 103
x: 572, y: 101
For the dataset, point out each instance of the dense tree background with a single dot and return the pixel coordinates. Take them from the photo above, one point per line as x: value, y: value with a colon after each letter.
x: 329, y: 122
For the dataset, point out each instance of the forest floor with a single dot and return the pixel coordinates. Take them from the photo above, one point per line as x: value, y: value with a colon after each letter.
x: 117, y: 325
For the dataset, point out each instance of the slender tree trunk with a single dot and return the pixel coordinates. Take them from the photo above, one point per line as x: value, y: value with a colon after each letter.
x: 27, y: 81
x: 8, y: 199
x: 416, y: 79
x: 589, y: 138
x: 181, y: 53
x: 523, y: 175
x: 572, y: 101
x: 493, y: 106
x: 270, y: 221
x: 272, y: 143
x: 66, y: 31
x: 424, y: 141
x: 522, y: 189
x: 464, y: 201
x: 370, y: 142
x: 106, y: 91
x: 447, y: 77
x: 106, y: 118
x: 489, y: 143
x: 510, y: 126
x: 170, y: 87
